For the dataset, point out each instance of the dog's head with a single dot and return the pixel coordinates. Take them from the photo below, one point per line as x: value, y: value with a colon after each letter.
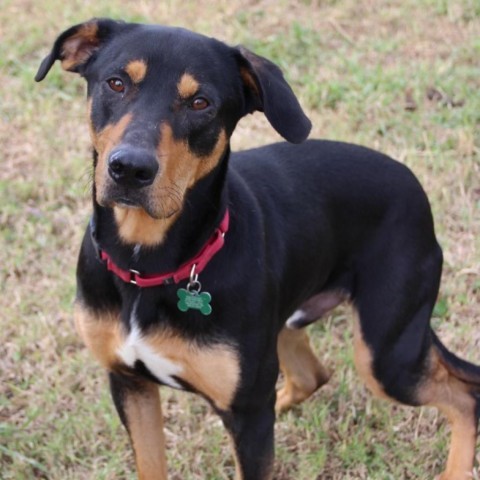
x: 163, y: 103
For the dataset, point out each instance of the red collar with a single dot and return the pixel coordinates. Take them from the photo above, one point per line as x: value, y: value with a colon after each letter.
x: 200, y: 261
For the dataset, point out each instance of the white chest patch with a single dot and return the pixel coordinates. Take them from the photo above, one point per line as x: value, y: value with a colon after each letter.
x: 135, y: 348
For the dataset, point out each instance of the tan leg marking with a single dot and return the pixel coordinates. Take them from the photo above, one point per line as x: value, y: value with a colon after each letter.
x: 303, y: 372
x: 102, y: 335
x: 363, y: 362
x: 145, y: 425
x: 136, y: 70
x: 213, y: 371
x: 187, y: 86
x: 451, y: 396
x: 238, y: 470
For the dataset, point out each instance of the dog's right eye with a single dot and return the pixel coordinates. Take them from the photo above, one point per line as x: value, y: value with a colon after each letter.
x: 116, y: 84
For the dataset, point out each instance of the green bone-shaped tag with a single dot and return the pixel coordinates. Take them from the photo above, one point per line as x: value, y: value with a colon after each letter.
x: 194, y: 301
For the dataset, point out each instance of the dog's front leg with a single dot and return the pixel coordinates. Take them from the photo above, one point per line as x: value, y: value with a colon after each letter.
x: 138, y: 405
x: 251, y: 430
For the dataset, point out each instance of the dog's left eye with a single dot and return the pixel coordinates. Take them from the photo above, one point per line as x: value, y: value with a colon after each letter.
x: 199, y: 103
x: 116, y: 84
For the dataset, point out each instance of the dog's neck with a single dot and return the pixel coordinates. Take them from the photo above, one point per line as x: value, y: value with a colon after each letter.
x: 203, y: 209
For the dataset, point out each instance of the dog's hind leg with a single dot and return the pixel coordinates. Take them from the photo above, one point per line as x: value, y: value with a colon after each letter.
x: 303, y: 372
x: 398, y: 355
x: 453, y: 386
x: 436, y: 384
x: 138, y: 405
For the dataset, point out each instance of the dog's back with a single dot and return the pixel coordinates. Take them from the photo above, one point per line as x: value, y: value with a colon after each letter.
x: 324, y: 200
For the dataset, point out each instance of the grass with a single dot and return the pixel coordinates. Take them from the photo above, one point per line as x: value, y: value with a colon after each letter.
x: 356, y: 66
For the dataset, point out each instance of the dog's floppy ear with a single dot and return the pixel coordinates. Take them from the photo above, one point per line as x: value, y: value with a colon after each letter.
x: 75, y: 46
x: 267, y: 91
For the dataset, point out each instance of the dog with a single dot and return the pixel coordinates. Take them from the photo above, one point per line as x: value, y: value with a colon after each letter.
x: 200, y: 267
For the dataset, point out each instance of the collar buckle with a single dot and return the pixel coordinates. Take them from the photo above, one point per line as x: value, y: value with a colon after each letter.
x: 133, y: 276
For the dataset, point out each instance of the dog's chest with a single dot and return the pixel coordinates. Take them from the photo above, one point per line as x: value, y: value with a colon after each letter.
x: 212, y: 370
x: 136, y: 348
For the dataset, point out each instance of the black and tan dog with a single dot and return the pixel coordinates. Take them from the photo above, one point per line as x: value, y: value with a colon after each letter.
x: 195, y: 258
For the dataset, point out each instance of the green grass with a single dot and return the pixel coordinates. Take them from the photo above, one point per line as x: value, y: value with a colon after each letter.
x: 352, y: 64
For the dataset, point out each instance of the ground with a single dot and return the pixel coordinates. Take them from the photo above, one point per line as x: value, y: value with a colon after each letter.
x: 399, y: 76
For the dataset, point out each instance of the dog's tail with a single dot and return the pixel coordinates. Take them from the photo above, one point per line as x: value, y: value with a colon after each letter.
x: 465, y: 371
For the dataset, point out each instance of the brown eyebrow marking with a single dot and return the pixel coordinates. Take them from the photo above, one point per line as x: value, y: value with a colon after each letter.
x: 136, y: 70
x: 187, y: 86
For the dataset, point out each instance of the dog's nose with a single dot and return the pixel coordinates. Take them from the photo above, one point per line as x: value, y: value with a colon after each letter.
x: 132, y: 167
